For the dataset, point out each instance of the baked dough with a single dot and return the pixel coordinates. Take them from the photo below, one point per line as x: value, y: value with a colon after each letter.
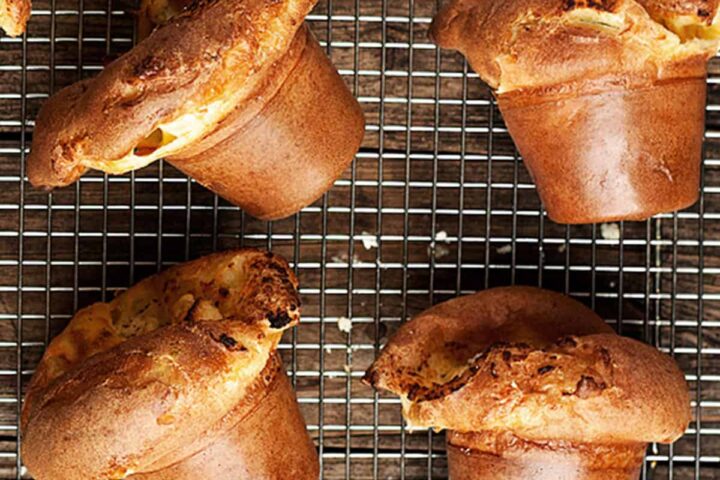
x: 161, y: 372
x: 532, y: 384
x: 531, y: 43
x: 604, y: 99
x: 239, y: 95
x: 168, y: 92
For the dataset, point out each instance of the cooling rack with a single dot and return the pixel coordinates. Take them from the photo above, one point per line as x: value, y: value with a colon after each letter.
x: 437, y: 204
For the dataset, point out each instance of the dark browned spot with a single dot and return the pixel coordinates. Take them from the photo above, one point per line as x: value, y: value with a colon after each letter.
x: 546, y: 369
x: 209, y: 57
x: 420, y: 393
x: 566, y: 342
x: 605, y: 356
x: 518, y: 357
x: 702, y: 13
x: 493, y: 371
x: 371, y: 377
x: 278, y: 267
x: 229, y: 342
x: 278, y: 319
x: 143, y: 309
x: 506, y: 355
x: 190, y: 315
x: 413, y: 392
x: 224, y: 292
x: 484, y: 354
x: 602, y: 5
x: 149, y: 67
x: 589, y: 387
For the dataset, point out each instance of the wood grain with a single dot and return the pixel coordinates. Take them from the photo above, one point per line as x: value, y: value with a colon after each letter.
x: 494, y: 233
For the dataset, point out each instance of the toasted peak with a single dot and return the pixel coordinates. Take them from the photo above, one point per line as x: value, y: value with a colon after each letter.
x: 199, y: 332
x: 530, y: 43
x: 250, y: 287
x: 536, y: 364
x: 438, y: 342
x: 596, y: 388
x: 167, y: 93
x: 698, y: 13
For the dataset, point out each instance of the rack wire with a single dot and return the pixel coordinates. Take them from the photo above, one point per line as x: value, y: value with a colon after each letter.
x: 436, y: 205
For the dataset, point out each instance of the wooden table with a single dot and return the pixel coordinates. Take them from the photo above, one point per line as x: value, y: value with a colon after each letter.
x: 426, y: 191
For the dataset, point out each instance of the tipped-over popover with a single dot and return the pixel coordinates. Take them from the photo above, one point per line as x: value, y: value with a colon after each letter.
x: 238, y: 94
x: 176, y: 378
x: 532, y: 384
x: 605, y: 99
x: 14, y: 15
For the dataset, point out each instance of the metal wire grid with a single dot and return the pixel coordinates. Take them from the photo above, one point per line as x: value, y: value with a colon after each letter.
x: 437, y: 204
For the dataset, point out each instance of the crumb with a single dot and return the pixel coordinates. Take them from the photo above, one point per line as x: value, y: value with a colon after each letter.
x: 343, y: 259
x: 562, y: 247
x: 345, y: 325
x: 340, y: 258
x: 610, y: 231
x: 347, y: 369
x: 328, y: 349
x: 504, y: 250
x: 369, y: 241
x: 437, y: 251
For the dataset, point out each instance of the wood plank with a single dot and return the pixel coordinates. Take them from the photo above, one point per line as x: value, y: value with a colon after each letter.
x: 558, y: 264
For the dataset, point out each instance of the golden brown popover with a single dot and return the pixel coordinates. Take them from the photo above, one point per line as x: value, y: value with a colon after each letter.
x: 236, y: 93
x: 532, y: 384
x: 605, y: 99
x: 178, y: 377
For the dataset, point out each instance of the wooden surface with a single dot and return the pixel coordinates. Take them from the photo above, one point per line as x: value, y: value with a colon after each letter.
x: 149, y: 223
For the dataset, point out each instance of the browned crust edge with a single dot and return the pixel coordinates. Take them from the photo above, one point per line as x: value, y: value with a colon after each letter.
x: 75, y: 424
x: 592, y: 387
x: 111, y: 113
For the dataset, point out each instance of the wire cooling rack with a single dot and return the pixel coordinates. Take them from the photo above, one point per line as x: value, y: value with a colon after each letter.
x: 437, y: 204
